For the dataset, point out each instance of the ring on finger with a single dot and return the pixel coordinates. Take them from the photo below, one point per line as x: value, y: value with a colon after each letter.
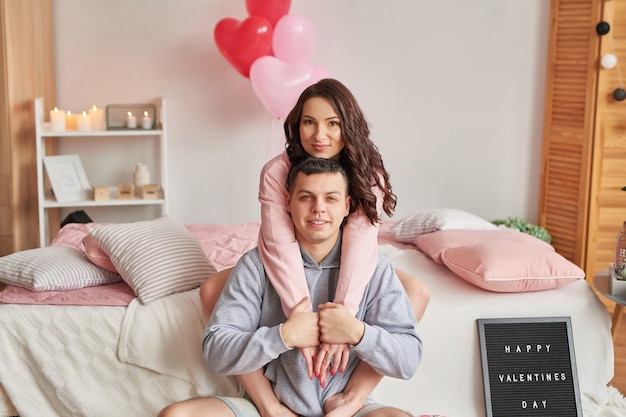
x: 328, y: 357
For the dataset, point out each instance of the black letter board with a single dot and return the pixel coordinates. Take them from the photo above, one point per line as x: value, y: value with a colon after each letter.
x: 529, y: 367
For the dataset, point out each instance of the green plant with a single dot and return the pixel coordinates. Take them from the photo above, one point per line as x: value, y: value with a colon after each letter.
x: 525, y: 227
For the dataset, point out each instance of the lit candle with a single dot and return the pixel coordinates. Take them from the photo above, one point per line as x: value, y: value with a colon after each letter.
x: 146, y: 122
x: 57, y: 120
x: 97, y: 118
x: 70, y: 121
x: 83, y: 122
x: 131, y: 121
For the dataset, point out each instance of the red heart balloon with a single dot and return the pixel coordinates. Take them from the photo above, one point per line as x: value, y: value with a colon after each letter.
x: 242, y: 43
x: 272, y: 10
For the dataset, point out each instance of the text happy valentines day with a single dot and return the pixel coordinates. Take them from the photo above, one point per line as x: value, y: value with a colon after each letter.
x: 528, y: 367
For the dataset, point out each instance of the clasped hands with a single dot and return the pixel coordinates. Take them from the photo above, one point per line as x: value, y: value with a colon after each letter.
x: 323, y: 338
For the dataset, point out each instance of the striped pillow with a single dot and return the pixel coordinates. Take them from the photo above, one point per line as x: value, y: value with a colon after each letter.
x: 54, y: 268
x: 155, y: 257
x: 409, y: 228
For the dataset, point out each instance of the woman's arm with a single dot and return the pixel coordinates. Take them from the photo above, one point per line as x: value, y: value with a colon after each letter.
x: 260, y: 391
x: 278, y: 247
x: 359, y: 252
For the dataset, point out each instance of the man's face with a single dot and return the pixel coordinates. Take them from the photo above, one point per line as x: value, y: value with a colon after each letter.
x: 318, y: 205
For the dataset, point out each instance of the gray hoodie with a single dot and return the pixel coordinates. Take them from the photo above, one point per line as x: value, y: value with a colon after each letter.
x: 243, y: 334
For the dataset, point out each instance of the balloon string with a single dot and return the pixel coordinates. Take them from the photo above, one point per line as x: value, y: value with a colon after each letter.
x: 271, y: 141
x: 275, y: 142
x: 278, y: 137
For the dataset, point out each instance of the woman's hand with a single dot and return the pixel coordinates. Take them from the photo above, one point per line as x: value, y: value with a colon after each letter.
x: 338, y: 330
x: 333, y: 358
x: 309, y: 354
x: 338, y: 325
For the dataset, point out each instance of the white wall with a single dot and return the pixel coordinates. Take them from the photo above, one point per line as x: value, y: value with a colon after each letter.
x: 453, y: 90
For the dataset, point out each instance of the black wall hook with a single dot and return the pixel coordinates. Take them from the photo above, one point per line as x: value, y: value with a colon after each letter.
x: 603, y: 28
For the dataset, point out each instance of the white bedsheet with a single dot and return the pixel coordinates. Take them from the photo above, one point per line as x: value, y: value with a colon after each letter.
x: 449, y: 380
x: 63, y: 361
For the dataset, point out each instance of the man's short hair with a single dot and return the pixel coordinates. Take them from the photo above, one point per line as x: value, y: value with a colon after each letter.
x: 310, y: 166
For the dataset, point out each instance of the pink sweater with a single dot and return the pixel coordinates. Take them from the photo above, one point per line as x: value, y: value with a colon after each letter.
x: 280, y: 251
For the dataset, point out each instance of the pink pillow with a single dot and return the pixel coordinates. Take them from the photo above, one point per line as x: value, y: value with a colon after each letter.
x: 96, y: 255
x: 511, y: 266
x: 435, y: 243
x: 71, y: 235
x: 75, y: 235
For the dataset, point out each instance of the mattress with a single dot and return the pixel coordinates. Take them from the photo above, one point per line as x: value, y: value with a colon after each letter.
x: 105, y: 360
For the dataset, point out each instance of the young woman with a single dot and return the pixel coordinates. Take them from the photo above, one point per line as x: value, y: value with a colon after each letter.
x: 326, y: 122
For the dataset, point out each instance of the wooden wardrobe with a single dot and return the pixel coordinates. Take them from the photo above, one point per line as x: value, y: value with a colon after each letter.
x: 27, y: 72
x: 584, y: 137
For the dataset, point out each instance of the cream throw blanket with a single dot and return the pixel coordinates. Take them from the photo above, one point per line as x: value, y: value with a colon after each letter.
x: 166, y: 336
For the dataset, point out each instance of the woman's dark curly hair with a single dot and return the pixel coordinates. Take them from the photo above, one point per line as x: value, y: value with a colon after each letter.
x: 359, y: 157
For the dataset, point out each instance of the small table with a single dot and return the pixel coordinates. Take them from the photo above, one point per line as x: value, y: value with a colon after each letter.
x: 601, y: 283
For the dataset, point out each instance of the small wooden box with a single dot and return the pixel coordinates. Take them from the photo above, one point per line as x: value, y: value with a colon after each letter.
x: 125, y: 191
x: 150, y: 191
x: 100, y: 193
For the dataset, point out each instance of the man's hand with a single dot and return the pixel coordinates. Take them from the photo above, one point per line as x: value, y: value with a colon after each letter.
x: 301, y: 328
x: 338, y: 326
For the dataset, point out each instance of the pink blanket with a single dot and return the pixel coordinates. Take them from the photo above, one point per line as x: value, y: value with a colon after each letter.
x: 222, y: 243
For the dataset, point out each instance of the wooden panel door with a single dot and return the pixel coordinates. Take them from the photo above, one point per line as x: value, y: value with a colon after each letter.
x: 569, y: 113
x: 607, y: 205
x: 26, y: 72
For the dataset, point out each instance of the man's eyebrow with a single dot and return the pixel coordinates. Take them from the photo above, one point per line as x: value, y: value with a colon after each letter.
x: 305, y: 191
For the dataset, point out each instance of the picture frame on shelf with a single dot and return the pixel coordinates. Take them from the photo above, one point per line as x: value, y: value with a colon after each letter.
x: 131, y: 116
x: 67, y: 177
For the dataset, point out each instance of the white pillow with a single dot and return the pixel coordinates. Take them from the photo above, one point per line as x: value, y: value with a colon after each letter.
x: 53, y: 268
x: 407, y: 229
x: 155, y: 257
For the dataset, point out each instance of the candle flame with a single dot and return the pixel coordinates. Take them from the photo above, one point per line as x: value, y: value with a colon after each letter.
x: 94, y: 108
x: 84, y: 113
x: 130, y: 114
x: 69, y: 113
x: 56, y: 109
x: 145, y: 113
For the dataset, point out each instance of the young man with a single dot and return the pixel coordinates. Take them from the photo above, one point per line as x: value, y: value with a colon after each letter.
x: 248, y: 329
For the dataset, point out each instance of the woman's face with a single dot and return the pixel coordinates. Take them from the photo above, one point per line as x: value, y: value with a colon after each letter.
x: 320, y: 129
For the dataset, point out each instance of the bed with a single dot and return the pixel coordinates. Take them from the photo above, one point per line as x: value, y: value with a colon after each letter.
x: 129, y: 348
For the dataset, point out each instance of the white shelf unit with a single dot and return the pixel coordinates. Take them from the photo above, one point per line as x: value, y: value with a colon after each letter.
x: 44, y: 195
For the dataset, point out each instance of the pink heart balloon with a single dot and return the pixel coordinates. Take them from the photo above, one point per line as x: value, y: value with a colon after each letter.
x: 320, y: 72
x: 294, y: 39
x: 242, y: 43
x: 278, y: 84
